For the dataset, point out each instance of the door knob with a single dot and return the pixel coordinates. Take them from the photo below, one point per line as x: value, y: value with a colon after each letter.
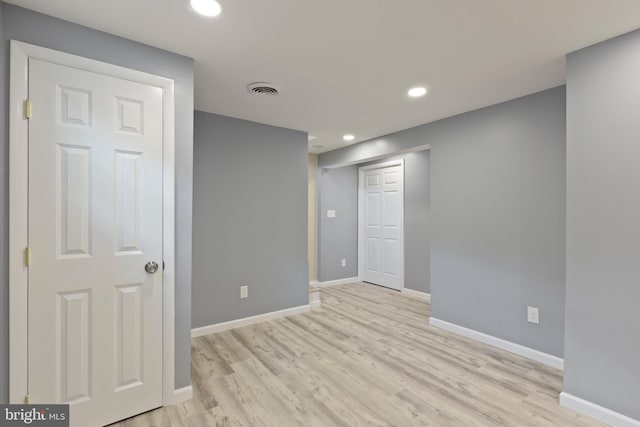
x: 151, y: 267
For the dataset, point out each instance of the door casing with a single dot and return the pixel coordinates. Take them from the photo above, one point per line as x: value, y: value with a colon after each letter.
x: 361, y: 216
x: 18, y: 209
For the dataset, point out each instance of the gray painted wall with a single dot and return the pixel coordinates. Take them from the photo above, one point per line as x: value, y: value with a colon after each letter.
x: 602, y: 340
x: 498, y: 209
x: 250, y: 219
x: 4, y: 217
x: 497, y: 215
x: 21, y: 24
x: 338, y: 237
x: 417, y: 213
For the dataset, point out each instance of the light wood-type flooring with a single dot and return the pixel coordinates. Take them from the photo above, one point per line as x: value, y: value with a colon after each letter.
x: 367, y: 357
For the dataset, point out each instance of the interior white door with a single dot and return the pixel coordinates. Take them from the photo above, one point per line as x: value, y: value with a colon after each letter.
x: 382, y: 192
x: 95, y: 220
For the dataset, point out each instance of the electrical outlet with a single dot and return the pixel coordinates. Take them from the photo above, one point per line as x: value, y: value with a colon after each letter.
x: 344, y: 262
x: 244, y: 291
x: 533, y: 315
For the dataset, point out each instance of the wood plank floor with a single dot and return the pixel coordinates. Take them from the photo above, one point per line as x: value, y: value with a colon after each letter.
x: 366, y: 357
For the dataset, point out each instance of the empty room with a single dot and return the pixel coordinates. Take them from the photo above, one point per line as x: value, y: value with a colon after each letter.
x: 319, y: 213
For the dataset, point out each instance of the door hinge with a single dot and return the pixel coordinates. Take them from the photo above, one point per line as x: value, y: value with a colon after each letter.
x: 27, y: 399
x: 27, y: 109
x: 27, y: 257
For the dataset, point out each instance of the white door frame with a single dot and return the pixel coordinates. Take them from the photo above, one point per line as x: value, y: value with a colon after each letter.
x: 361, y: 215
x: 18, y: 208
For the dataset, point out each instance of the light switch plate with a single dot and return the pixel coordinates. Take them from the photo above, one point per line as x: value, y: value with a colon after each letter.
x: 331, y: 213
x: 533, y: 315
x: 244, y: 291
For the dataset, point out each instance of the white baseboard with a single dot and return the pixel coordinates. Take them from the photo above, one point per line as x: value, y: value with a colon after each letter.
x: 314, y: 297
x: 596, y: 411
x: 337, y: 282
x: 417, y: 294
x: 538, y: 356
x: 246, y: 321
x: 313, y: 283
x: 180, y: 395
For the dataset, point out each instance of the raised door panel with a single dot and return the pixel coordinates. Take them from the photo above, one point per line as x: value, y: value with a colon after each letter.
x: 128, y: 206
x: 391, y: 208
x: 129, y: 337
x: 373, y: 255
x: 73, y: 225
x: 130, y: 115
x: 73, y: 353
x: 373, y: 210
x: 75, y: 106
x: 392, y: 252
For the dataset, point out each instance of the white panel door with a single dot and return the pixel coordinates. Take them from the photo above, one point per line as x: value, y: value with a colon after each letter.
x: 95, y: 220
x: 382, y: 226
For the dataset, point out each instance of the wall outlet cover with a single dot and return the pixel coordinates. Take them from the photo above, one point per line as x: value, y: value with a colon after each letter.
x: 244, y: 291
x: 533, y: 315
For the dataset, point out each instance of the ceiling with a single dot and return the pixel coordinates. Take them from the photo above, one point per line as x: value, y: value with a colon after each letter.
x: 345, y: 66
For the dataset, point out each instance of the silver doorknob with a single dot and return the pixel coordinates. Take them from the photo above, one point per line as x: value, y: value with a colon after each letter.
x: 151, y: 267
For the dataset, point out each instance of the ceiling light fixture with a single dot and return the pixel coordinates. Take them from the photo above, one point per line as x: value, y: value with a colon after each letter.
x: 348, y: 137
x: 206, y: 7
x: 417, y: 92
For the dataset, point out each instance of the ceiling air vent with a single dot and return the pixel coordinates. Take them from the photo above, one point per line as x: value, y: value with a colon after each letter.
x: 262, y: 88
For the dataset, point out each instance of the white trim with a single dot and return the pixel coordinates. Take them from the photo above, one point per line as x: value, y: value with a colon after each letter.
x: 417, y: 294
x: 596, y: 411
x: 313, y: 283
x: 246, y: 321
x: 18, y: 227
x: 168, y: 243
x: 181, y: 395
x: 538, y: 356
x: 18, y: 208
x: 361, y: 218
x: 382, y: 165
x: 337, y: 282
x: 314, y: 298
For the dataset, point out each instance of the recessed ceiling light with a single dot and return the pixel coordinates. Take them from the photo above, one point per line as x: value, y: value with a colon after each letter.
x: 348, y: 137
x: 206, y: 7
x: 417, y: 92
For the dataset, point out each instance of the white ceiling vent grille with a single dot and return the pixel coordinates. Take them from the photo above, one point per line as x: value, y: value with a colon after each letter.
x: 263, y: 88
